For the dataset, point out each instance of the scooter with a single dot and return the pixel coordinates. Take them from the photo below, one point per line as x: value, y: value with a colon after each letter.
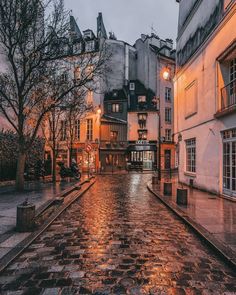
x: 72, y: 171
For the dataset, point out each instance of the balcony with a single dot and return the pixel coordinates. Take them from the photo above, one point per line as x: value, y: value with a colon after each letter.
x: 228, y: 100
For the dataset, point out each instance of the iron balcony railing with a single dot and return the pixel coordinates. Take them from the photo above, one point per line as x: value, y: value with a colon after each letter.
x: 228, y: 96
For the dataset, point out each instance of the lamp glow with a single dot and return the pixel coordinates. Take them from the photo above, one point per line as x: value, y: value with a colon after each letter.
x: 166, y: 75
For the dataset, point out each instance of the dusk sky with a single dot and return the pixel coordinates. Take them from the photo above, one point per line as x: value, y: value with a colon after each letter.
x: 128, y: 18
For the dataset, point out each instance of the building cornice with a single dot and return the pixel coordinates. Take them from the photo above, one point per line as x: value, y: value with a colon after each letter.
x: 188, y: 19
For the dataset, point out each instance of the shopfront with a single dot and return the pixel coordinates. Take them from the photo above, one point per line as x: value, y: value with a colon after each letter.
x: 112, y: 161
x: 143, y: 153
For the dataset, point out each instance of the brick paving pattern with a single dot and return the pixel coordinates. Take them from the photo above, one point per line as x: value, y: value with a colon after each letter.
x: 118, y: 239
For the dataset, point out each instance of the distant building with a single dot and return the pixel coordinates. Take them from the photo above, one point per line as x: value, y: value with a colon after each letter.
x: 114, y: 131
x: 129, y: 97
x: 205, y: 95
x: 151, y: 108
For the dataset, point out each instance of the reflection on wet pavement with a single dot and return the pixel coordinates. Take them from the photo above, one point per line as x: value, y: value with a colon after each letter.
x: 118, y: 239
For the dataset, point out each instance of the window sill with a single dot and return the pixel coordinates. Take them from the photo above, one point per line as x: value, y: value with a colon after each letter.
x: 191, y: 174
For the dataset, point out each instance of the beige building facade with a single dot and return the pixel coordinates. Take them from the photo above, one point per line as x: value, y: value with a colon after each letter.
x: 205, y: 96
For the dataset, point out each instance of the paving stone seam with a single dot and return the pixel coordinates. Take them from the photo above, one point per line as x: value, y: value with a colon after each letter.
x: 18, y: 249
x: 221, y: 249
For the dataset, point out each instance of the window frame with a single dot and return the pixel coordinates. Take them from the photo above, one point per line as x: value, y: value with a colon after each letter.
x: 169, y: 137
x: 168, y: 115
x: 89, y: 131
x: 229, y: 162
x: 77, y: 130
x: 190, y: 155
x: 168, y: 94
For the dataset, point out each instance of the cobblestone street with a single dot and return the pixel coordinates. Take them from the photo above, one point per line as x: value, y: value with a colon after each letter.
x: 118, y: 239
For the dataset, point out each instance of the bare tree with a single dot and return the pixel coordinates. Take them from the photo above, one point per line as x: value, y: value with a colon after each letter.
x: 38, y: 69
x: 51, y: 129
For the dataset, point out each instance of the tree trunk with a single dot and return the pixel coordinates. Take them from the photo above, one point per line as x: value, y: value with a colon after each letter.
x: 20, y: 171
x: 70, y: 151
x: 54, y: 176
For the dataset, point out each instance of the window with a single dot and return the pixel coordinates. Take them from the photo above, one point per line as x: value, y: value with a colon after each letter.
x: 64, y: 77
x: 89, y: 129
x: 90, y: 46
x: 228, y: 92
x: 168, y: 134
x: 77, y: 129
x: 132, y: 86
x: 229, y: 162
x: 191, y: 155
x: 142, y: 117
x: 142, y: 124
x: 168, y: 94
x: 87, y: 34
x: 142, y: 120
x: 141, y: 99
x: 168, y: 115
x: 63, y: 130
x: 142, y: 134
x: 116, y: 108
x: 114, y: 135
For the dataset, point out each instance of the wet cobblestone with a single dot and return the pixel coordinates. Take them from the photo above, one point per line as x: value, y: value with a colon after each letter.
x: 118, y: 239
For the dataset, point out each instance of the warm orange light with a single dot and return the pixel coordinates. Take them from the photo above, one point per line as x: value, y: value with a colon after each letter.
x: 99, y: 111
x: 166, y: 75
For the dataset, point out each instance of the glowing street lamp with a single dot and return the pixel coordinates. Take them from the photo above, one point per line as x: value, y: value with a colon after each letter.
x: 166, y: 74
x: 99, y: 111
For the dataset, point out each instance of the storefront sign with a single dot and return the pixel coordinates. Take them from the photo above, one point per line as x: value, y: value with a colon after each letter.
x: 143, y: 142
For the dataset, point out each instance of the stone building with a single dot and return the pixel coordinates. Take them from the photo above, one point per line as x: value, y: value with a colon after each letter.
x: 150, y: 114
x: 205, y: 95
x: 113, y: 128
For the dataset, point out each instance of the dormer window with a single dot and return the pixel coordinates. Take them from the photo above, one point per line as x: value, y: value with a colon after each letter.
x: 87, y: 34
x: 132, y: 86
x: 142, y: 99
x: 115, y: 94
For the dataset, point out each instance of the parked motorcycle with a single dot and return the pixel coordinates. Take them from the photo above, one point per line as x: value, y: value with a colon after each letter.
x: 72, y: 171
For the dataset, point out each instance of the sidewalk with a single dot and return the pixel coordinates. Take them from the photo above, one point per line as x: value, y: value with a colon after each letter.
x: 213, y: 217
x: 37, y: 193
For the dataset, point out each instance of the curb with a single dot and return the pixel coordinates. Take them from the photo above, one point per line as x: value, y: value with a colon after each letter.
x: 221, y: 249
x: 42, y: 208
x: 18, y: 249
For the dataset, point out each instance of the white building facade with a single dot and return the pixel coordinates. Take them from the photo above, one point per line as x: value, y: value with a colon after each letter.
x: 205, y: 95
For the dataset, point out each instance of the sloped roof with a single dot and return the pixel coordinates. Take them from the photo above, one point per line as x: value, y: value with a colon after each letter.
x: 110, y: 119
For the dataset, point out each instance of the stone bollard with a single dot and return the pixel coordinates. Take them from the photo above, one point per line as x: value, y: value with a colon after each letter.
x: 167, y: 188
x: 182, y: 196
x: 25, y: 218
x: 155, y: 179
